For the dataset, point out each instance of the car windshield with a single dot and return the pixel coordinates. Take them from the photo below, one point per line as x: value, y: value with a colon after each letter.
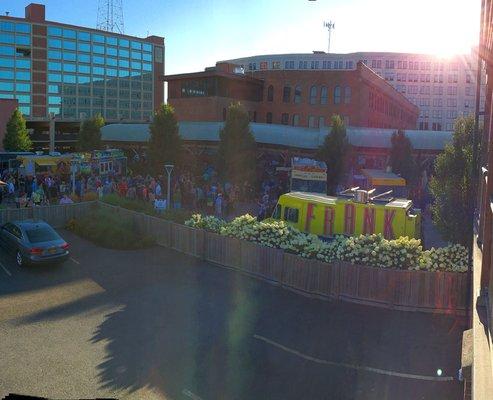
x: 41, y: 234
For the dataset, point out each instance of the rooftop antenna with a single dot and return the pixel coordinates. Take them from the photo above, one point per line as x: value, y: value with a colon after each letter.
x: 329, y: 25
x: 110, y: 16
x: 7, y: 13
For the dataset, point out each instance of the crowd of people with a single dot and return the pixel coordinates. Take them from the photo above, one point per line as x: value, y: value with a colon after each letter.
x: 203, y: 193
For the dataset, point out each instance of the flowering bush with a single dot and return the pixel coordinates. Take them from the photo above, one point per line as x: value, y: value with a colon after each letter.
x: 209, y: 223
x: 371, y: 250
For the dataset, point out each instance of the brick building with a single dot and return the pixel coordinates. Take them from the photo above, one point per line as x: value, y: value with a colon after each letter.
x: 296, y: 98
x: 76, y: 72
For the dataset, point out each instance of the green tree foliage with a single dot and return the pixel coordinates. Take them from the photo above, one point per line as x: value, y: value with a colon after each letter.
x: 16, y: 135
x: 236, y: 159
x: 165, y: 143
x: 90, y: 134
x: 333, y: 152
x: 451, y: 185
x: 401, y: 157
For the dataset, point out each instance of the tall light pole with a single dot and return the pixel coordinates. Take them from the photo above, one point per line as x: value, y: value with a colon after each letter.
x: 169, y: 169
x: 52, y: 133
x: 329, y: 25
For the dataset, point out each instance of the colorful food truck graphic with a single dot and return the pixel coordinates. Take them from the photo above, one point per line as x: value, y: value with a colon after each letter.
x: 350, y: 213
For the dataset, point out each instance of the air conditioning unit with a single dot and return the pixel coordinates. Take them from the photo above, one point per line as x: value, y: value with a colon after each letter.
x: 361, y: 196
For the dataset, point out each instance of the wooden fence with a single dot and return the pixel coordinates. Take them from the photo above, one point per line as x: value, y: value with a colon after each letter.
x: 437, y: 292
x: 57, y: 215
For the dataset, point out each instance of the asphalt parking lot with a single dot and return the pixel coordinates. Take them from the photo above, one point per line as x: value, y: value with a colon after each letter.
x: 155, y: 324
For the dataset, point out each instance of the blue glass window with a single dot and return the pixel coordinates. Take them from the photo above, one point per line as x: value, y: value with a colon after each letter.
x: 97, y: 38
x: 6, y: 38
x: 98, y: 49
x: 147, y: 57
x: 54, y: 66
x: 137, y: 45
x: 97, y: 60
x: 123, y: 63
x: 136, y: 55
x: 53, y: 89
x: 84, y: 47
x: 98, y: 70
x: 23, y: 28
x: 111, y: 61
x: 7, y: 86
x: 26, y: 110
x: 23, y: 40
x: 83, y: 79
x: 110, y: 72
x: 23, y: 76
x: 6, y: 26
x: 147, y: 67
x: 23, y: 98
x: 6, y: 74
x: 7, y: 62
x: 84, y: 58
x: 111, y: 51
x: 54, y: 77
x: 69, y: 78
x: 56, y: 55
x: 84, y: 69
x: 6, y: 96
x: 69, y: 33
x: 111, y: 40
x: 20, y: 63
x: 23, y: 87
x: 136, y: 65
x: 54, y: 31
x: 69, y: 45
x: 123, y: 42
x: 147, y: 47
x: 69, y: 56
x: 7, y: 50
x: 123, y: 73
x: 135, y: 73
x: 84, y: 36
x: 55, y: 43
x: 54, y: 100
x: 68, y: 67
x: 123, y: 53
x: 54, y: 110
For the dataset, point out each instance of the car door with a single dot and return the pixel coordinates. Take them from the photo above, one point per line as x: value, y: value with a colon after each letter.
x: 17, y: 239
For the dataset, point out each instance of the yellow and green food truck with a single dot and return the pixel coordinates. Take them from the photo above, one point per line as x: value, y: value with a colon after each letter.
x: 349, y: 214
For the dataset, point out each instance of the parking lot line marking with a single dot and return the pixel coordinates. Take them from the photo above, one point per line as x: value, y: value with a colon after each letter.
x: 193, y: 396
x: 74, y: 260
x: 355, y: 367
x: 5, y: 269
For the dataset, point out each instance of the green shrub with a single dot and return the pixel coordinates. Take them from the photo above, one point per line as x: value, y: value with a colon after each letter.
x: 176, y: 215
x: 109, y: 230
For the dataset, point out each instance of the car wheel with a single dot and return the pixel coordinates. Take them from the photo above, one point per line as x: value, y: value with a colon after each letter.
x: 19, y: 259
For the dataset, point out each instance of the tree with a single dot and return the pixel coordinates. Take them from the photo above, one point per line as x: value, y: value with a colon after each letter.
x: 451, y: 185
x: 333, y: 152
x: 236, y: 159
x: 90, y: 134
x: 165, y: 143
x: 401, y: 157
x: 16, y: 135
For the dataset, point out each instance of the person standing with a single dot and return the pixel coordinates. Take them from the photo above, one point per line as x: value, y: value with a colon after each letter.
x: 218, y: 205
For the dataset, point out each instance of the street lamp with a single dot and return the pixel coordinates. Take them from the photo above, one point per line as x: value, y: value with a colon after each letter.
x: 169, y: 169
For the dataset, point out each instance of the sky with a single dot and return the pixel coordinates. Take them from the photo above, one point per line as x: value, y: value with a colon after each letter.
x: 200, y: 32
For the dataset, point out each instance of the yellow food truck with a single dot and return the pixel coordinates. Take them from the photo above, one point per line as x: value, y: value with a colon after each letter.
x: 352, y: 212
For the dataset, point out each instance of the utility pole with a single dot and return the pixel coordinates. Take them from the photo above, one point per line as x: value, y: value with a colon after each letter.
x: 329, y: 25
x: 52, y: 133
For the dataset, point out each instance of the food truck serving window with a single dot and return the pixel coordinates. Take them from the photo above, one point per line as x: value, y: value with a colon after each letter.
x: 277, y: 212
x: 291, y: 214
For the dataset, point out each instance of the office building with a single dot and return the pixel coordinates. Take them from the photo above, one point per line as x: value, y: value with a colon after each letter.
x: 296, y: 98
x: 74, y: 72
x: 442, y: 88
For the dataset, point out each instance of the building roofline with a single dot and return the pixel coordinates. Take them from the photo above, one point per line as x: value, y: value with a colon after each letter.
x: 46, y: 22
x: 211, y: 73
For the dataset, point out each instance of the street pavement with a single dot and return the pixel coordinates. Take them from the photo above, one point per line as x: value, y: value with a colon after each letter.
x: 156, y: 324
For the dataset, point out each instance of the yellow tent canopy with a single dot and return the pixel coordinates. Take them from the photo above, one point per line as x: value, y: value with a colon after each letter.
x: 377, y: 177
x: 45, y: 162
